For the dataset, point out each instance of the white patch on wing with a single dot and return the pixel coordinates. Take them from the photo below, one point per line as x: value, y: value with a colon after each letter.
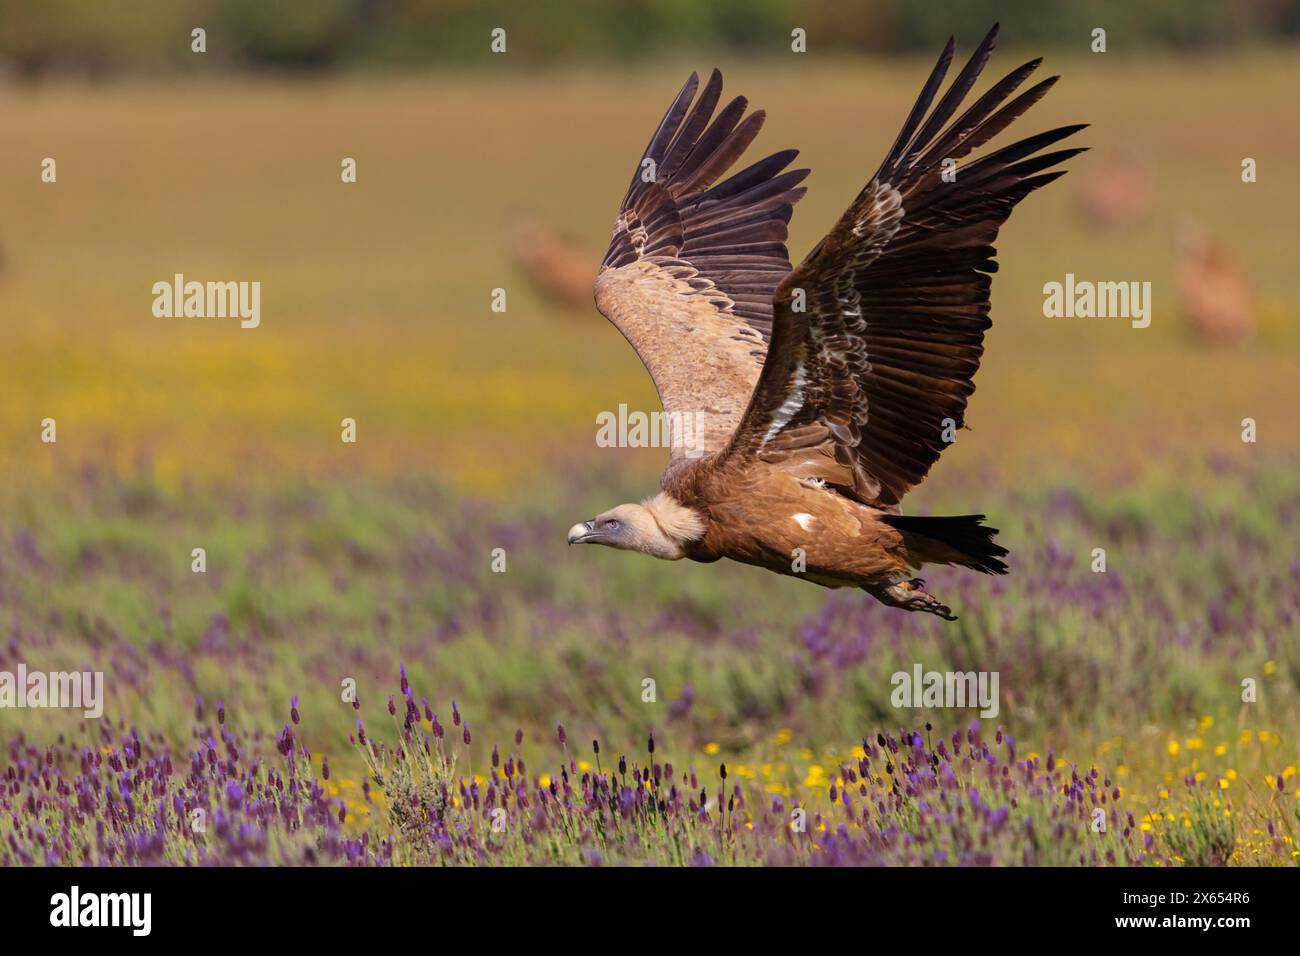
x: 789, y: 408
x: 803, y: 520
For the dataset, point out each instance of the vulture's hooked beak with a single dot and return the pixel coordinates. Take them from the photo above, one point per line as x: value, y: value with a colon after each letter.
x: 581, y: 533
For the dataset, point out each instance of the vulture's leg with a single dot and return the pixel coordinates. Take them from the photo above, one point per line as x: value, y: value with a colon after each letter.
x: 912, y: 596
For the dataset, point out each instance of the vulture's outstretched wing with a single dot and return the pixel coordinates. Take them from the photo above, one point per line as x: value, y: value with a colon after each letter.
x: 858, y: 387
x: 690, y: 273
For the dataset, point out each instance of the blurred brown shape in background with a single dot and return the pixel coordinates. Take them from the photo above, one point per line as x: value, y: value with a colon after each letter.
x: 1213, y: 290
x: 562, y: 271
x: 1114, y: 195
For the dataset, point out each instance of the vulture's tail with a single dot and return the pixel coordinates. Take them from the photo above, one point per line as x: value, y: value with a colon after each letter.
x: 959, y: 539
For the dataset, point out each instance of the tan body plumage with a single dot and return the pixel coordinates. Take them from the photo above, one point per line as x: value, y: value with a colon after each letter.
x: 820, y: 394
x: 766, y: 517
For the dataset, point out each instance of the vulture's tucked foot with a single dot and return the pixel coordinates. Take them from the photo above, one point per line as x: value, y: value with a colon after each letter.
x: 912, y: 596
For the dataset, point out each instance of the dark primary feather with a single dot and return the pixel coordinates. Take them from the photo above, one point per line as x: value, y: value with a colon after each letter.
x: 731, y: 234
x: 898, y: 297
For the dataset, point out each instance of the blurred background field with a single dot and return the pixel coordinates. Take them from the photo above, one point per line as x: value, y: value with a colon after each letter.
x: 476, y: 429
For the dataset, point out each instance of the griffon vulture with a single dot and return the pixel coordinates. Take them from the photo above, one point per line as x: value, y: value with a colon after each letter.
x: 823, y: 393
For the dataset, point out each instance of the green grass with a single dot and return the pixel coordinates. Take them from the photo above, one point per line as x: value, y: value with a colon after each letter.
x: 328, y: 561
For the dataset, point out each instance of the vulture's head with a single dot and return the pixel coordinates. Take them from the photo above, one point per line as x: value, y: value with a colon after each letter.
x: 659, y: 527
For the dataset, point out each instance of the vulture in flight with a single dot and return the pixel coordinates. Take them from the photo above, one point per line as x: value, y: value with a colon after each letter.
x: 805, y: 402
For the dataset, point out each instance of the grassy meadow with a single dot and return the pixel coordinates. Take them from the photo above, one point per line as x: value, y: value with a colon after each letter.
x: 330, y: 563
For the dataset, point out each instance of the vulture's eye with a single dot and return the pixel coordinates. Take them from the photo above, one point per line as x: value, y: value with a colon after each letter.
x: 611, y: 524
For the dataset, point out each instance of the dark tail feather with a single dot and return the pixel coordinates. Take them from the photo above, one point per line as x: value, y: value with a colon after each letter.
x: 959, y: 539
